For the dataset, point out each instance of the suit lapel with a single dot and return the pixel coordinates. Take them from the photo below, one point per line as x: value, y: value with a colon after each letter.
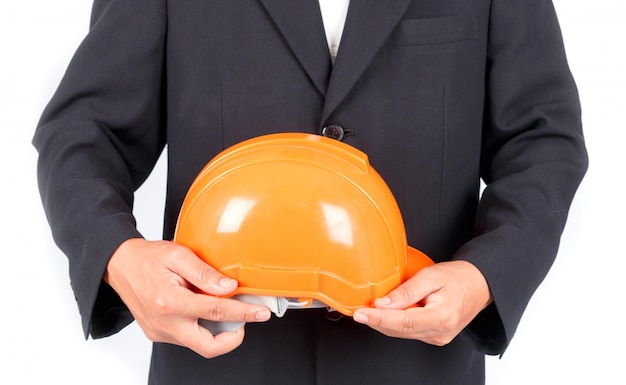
x: 300, y: 22
x: 368, y: 24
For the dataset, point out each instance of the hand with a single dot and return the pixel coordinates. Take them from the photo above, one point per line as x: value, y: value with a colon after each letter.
x: 159, y: 282
x: 449, y: 295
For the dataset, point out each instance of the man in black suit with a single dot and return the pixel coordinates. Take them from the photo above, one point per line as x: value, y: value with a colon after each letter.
x: 438, y: 94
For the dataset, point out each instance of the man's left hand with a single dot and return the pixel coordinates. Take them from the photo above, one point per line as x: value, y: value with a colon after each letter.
x: 433, y: 306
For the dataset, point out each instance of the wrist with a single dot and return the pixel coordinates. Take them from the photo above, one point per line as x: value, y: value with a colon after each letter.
x: 124, y: 249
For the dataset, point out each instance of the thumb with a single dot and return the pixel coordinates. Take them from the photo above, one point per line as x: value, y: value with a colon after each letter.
x: 200, y: 274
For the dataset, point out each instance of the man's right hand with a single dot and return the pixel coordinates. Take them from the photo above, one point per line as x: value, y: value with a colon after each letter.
x: 161, y: 281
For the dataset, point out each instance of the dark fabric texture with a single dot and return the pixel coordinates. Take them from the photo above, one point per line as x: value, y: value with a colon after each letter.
x: 438, y: 94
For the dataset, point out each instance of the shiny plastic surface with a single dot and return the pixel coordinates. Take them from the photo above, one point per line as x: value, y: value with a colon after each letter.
x: 299, y: 215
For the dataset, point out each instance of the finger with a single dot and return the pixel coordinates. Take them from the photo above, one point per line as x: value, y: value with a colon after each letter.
x: 410, y: 292
x: 395, y: 323
x: 230, y: 310
x: 415, y: 323
x: 192, y: 306
x: 201, y: 341
x: 181, y: 323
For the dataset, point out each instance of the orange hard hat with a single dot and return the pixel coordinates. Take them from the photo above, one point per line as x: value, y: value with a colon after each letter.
x: 299, y: 216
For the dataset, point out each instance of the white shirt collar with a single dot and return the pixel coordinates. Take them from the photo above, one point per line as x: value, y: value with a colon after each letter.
x: 334, y: 14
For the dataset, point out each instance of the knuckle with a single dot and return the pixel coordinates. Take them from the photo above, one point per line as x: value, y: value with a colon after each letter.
x: 377, y: 321
x: 207, y: 274
x: 168, y: 253
x: 217, y: 311
x: 408, y: 323
x: 247, y: 315
x: 164, y: 305
x: 404, y: 292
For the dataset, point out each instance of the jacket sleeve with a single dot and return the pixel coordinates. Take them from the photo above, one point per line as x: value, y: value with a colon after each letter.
x: 533, y: 159
x: 98, y: 139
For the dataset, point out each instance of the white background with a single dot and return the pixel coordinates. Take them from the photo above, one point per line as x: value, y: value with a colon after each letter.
x: 572, y: 332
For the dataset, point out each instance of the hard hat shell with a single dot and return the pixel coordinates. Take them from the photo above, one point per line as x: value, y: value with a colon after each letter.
x: 299, y: 215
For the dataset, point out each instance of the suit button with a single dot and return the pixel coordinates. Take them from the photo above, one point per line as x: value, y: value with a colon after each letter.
x: 333, y: 131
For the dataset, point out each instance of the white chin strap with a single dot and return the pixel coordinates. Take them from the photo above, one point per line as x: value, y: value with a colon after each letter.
x: 277, y: 305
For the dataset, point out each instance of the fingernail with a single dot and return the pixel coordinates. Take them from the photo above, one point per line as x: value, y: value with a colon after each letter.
x: 263, y: 315
x: 383, y: 301
x: 360, y: 318
x: 226, y: 282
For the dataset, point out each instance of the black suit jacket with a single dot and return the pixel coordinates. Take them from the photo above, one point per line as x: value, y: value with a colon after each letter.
x: 439, y: 94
